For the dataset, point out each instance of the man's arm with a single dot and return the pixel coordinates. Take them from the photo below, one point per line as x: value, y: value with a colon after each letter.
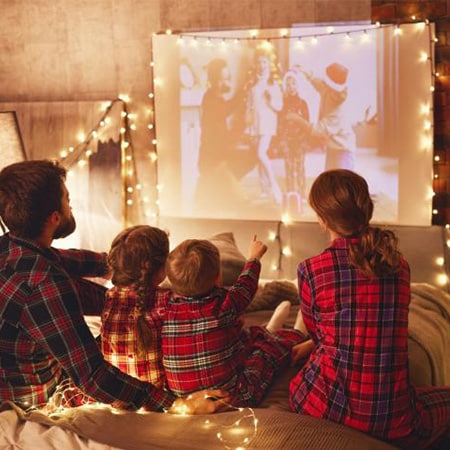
x: 54, y: 320
x: 83, y: 263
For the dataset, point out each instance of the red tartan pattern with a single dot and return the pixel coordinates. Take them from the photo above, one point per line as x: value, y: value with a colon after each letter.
x: 205, y: 346
x: 119, y: 334
x: 358, y: 373
x: 43, y: 333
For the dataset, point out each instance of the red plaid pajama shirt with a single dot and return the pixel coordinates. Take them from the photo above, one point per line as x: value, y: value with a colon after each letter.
x: 358, y: 373
x: 205, y: 346
x: 119, y: 334
x: 44, y: 337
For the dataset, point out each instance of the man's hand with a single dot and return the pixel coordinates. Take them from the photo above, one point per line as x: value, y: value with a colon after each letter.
x: 201, y: 402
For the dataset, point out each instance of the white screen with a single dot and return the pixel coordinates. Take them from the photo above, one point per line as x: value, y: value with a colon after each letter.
x: 229, y: 140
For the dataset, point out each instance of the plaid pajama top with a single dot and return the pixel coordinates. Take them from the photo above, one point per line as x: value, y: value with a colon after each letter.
x: 119, y: 334
x: 203, y: 340
x: 43, y: 334
x: 358, y: 373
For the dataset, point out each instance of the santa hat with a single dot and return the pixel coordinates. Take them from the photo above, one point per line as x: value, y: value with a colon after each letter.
x: 336, y: 76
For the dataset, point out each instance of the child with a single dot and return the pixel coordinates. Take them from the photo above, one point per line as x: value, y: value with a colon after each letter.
x: 264, y: 101
x: 131, y: 324
x: 291, y: 134
x: 203, y: 339
x: 354, y: 299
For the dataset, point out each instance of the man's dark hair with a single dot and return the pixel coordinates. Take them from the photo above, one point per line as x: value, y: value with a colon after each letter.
x: 30, y: 191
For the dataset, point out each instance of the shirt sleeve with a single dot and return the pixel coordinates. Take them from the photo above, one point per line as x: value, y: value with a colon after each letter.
x: 242, y: 292
x: 53, y: 318
x: 83, y: 263
x: 306, y: 300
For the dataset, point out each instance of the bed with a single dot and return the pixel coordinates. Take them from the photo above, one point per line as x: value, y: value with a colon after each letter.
x: 101, y: 427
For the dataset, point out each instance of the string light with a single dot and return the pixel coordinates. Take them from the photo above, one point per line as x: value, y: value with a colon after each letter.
x: 235, y: 428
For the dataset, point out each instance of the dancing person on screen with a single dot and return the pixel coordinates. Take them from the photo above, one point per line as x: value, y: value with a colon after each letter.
x: 333, y: 130
x: 264, y: 102
x: 131, y: 326
x: 44, y: 338
x: 217, y: 142
x: 203, y: 339
x: 354, y: 300
x: 291, y: 134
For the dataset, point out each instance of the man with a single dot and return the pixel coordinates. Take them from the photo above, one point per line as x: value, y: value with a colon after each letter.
x: 43, y: 335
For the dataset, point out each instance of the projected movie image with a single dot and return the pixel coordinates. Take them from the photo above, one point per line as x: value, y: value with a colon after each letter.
x: 245, y: 124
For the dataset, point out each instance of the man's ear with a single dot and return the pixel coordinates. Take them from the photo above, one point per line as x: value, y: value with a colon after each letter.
x: 54, y: 218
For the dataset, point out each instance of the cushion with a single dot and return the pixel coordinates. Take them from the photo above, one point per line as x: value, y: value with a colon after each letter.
x: 232, y: 260
x: 272, y: 294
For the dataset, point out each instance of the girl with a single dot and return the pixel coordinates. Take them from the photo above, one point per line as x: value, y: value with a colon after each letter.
x: 354, y: 299
x: 131, y: 323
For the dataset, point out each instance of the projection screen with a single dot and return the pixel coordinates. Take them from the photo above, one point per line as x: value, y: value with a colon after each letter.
x: 245, y: 120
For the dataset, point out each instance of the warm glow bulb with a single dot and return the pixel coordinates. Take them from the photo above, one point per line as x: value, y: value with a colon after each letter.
x: 81, y: 137
x: 286, y: 219
x: 440, y: 261
x: 442, y: 279
x: 124, y: 97
x: 286, y: 251
x: 63, y: 153
x: 272, y: 235
x: 330, y: 30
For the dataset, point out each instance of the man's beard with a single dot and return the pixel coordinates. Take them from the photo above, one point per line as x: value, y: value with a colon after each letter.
x: 65, y: 228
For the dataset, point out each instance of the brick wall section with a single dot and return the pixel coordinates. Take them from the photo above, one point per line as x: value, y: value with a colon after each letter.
x: 437, y: 11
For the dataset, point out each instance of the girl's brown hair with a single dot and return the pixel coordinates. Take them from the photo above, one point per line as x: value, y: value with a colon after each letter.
x: 342, y: 201
x: 193, y: 267
x: 137, y: 254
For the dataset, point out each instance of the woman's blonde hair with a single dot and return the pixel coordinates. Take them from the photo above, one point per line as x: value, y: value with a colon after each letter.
x: 193, y: 267
x: 341, y: 199
x: 137, y: 254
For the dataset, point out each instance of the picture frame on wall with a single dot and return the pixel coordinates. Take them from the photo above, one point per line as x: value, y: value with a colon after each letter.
x: 11, y: 143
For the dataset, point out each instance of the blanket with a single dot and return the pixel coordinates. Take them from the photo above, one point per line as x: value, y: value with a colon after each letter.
x: 429, y: 329
x: 102, y: 428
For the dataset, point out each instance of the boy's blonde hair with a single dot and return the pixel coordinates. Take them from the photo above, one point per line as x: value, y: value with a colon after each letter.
x: 193, y: 267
